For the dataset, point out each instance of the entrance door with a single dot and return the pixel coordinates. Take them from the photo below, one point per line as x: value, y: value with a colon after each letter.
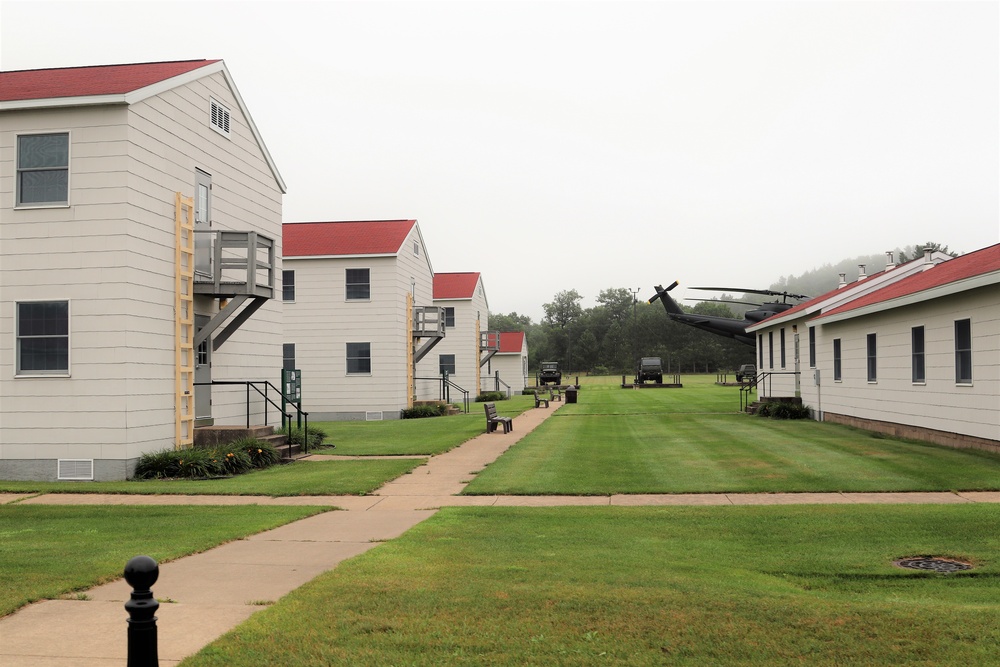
x: 202, y: 373
x: 202, y: 221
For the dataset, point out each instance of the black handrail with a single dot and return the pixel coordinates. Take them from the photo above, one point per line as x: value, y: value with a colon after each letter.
x: 444, y: 392
x: 286, y: 417
x: 758, y: 382
x: 497, y: 382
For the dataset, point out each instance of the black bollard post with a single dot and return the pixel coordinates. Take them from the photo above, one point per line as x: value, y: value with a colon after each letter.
x: 141, y: 573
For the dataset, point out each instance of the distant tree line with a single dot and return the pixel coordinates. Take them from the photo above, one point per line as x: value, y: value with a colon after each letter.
x: 610, y: 337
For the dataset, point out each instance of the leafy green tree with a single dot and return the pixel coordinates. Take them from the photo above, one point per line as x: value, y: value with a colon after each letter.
x: 509, y: 322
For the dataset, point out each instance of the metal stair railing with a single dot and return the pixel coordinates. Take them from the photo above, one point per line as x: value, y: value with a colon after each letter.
x: 286, y: 416
x: 761, y: 381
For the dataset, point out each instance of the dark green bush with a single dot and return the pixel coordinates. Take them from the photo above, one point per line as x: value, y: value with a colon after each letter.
x: 422, y: 411
x: 235, y: 458
x: 491, y: 397
x: 158, y: 465
x: 316, y: 436
x: 262, y: 454
x: 776, y: 410
x: 197, y: 463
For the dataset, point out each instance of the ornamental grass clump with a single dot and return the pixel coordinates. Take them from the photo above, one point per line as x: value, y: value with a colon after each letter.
x: 235, y: 458
x: 491, y: 397
x: 298, y: 436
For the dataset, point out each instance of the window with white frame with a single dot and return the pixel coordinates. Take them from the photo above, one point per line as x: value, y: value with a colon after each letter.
x: 43, y: 169
x: 221, y: 118
x: 963, y: 351
x: 449, y: 316
x: 287, y: 285
x: 358, y: 284
x: 446, y: 364
x: 837, y: 376
x: 782, y: 346
x: 359, y: 358
x: 770, y: 349
x: 917, y: 361
x: 872, y: 357
x: 43, y: 338
x: 760, y: 350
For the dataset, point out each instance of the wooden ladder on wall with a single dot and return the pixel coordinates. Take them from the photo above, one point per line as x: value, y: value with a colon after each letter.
x: 184, y: 322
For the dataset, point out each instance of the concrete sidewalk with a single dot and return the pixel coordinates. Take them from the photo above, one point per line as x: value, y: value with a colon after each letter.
x: 212, y: 592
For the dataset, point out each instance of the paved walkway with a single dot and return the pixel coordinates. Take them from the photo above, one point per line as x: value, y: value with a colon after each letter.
x: 212, y: 592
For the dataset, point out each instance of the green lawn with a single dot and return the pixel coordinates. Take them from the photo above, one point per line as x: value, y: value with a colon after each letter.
x: 48, y: 551
x: 302, y: 478
x: 680, y: 441
x: 396, y: 437
x: 647, y: 586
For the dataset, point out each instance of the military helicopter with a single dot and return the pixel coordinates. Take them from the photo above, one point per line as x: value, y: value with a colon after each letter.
x: 726, y: 326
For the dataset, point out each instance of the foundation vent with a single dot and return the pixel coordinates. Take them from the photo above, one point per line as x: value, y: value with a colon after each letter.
x: 75, y: 469
x: 373, y: 416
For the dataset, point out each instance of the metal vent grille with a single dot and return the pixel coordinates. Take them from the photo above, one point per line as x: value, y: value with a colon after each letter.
x: 78, y: 469
x: 373, y: 416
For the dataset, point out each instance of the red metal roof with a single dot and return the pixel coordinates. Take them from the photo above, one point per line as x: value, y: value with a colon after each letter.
x: 40, y: 84
x: 373, y: 237
x: 963, y: 267
x: 511, y: 342
x: 455, y: 285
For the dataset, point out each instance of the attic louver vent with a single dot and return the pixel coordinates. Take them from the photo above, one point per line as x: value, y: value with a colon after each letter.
x: 79, y: 469
x: 220, y: 118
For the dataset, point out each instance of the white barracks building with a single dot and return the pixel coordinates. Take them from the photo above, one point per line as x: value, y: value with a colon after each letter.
x: 139, y: 261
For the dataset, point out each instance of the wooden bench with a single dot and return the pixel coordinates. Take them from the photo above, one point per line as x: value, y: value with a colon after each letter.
x: 539, y: 400
x: 492, y: 419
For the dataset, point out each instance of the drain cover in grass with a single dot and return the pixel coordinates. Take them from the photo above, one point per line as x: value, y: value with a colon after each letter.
x: 932, y: 564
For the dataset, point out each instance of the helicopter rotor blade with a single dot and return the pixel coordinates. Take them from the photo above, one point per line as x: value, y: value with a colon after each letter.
x: 745, y: 290
x: 739, y: 303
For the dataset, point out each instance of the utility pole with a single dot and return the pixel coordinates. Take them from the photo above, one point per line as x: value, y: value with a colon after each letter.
x: 635, y: 330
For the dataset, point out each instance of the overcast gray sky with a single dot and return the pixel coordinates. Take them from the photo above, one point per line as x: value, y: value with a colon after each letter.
x: 588, y: 145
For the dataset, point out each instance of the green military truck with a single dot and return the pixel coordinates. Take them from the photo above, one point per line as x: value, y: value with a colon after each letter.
x: 650, y: 369
x: 550, y: 372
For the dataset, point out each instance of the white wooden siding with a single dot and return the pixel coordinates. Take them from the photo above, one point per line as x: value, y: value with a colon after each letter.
x: 111, y: 253
x: 938, y: 403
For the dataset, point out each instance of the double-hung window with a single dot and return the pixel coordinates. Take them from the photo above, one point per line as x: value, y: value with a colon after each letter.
x: 770, y: 349
x: 449, y: 316
x: 359, y: 286
x: 836, y: 360
x: 963, y: 351
x: 812, y: 347
x: 917, y: 362
x: 43, y: 338
x: 872, y: 358
x: 446, y: 364
x: 287, y: 285
x: 782, y: 336
x: 359, y: 358
x: 43, y: 169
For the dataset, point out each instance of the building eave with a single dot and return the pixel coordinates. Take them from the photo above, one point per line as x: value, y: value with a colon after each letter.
x: 949, y: 289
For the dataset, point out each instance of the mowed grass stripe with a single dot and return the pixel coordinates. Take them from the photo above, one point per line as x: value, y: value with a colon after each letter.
x: 688, y: 453
x: 647, y: 586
